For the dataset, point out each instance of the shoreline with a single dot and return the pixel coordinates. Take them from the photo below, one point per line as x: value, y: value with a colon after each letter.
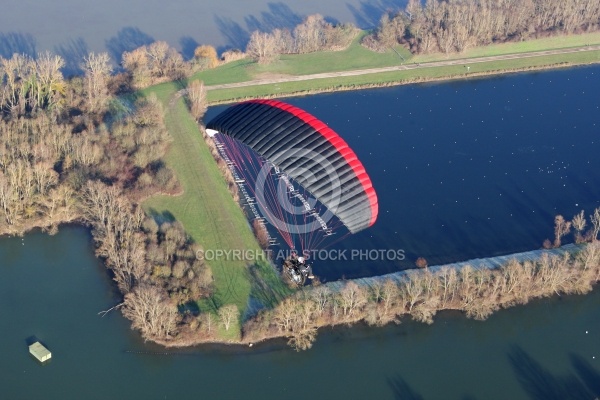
x: 274, y: 84
x: 192, y: 339
x: 402, y: 82
x: 495, y: 264
x: 217, y: 205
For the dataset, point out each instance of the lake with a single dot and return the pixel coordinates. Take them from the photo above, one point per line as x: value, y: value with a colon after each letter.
x: 469, y: 168
x: 443, y: 158
x: 72, y: 28
x: 52, y: 288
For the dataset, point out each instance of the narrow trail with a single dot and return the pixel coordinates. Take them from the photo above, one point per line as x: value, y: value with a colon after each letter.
x: 408, y: 66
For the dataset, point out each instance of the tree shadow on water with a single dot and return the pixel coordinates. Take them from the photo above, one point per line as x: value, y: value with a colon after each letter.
x: 234, y: 33
x: 587, y: 374
x: 541, y: 384
x: 188, y: 46
x: 279, y: 16
x: 17, y: 42
x: 368, y: 13
x: 401, y: 389
x: 73, y: 53
x: 127, y: 39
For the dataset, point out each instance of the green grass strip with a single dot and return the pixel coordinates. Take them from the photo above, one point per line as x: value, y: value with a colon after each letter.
x: 399, y: 77
x: 208, y: 212
x: 358, y: 57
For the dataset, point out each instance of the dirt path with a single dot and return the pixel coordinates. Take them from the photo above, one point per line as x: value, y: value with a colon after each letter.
x: 408, y: 66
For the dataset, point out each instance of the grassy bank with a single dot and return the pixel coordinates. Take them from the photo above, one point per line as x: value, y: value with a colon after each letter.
x: 402, y: 77
x: 358, y: 57
x: 354, y: 57
x: 208, y: 213
x: 206, y: 209
x: 553, y: 42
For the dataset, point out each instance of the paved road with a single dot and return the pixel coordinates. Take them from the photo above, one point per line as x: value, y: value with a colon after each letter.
x: 460, y: 61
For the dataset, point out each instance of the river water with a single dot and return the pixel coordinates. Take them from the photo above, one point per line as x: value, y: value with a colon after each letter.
x: 72, y: 28
x: 52, y: 288
x: 526, y: 146
x: 465, y: 169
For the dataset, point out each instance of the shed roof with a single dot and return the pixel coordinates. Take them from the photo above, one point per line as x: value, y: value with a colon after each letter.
x: 39, y: 351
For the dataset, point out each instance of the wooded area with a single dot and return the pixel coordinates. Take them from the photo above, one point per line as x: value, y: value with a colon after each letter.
x: 72, y: 151
x: 455, y: 25
x: 478, y: 292
x: 90, y: 149
x: 314, y: 34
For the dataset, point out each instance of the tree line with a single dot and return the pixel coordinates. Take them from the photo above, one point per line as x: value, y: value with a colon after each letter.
x: 78, y: 150
x: 154, y: 265
x: 455, y: 25
x: 72, y: 151
x: 313, y: 34
x: 420, y: 294
x: 582, y: 232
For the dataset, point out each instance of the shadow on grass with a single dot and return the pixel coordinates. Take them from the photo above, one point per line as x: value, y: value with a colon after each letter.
x: 161, y: 216
x: 541, y: 384
x: 267, y: 287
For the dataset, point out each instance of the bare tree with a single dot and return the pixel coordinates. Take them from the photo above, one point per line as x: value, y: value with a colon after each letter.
x: 579, y: 223
x: 228, y: 314
x: 262, y: 47
x: 321, y: 296
x: 261, y: 233
x: 97, y: 71
x: 595, y: 219
x: 149, y: 309
x: 154, y: 63
x: 352, y: 298
x: 49, y: 86
x: 303, y: 340
x: 285, y: 313
x: 561, y: 228
x: 196, y: 95
x: 412, y: 290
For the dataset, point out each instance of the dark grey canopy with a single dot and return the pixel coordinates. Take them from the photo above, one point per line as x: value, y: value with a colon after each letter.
x: 309, y: 152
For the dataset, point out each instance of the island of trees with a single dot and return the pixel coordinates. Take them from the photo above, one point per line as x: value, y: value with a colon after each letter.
x: 91, y: 149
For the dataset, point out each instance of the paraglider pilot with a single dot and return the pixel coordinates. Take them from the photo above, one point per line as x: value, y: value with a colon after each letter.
x: 305, y: 268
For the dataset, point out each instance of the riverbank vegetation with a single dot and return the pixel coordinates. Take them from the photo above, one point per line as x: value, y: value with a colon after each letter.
x: 210, y: 215
x: 423, y: 73
x: 421, y: 294
x: 454, y: 26
x: 124, y: 154
x: 478, y: 291
x: 72, y: 152
x: 314, y: 34
x: 420, y: 34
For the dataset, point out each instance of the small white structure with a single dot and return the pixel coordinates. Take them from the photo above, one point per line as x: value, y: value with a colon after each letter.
x: 40, y: 352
